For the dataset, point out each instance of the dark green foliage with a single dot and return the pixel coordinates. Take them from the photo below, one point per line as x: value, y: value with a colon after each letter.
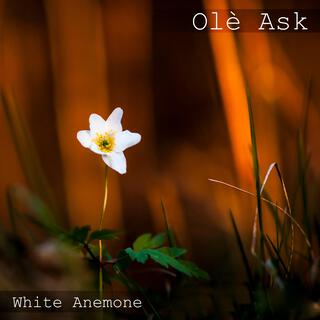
x: 139, y: 256
x: 103, y: 234
x: 147, y: 241
x: 82, y: 235
x: 77, y: 235
x: 194, y: 270
x: 173, y: 251
x: 147, y: 247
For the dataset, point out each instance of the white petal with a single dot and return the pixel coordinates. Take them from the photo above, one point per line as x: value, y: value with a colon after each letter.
x: 97, y: 123
x: 84, y: 138
x: 114, y: 120
x: 116, y: 161
x: 126, y: 139
x: 94, y: 148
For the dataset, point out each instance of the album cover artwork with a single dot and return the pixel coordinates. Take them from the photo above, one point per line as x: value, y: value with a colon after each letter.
x: 159, y: 159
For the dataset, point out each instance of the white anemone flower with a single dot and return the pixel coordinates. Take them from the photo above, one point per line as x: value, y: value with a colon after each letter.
x: 107, y: 139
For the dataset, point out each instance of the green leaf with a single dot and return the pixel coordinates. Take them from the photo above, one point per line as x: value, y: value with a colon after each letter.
x: 80, y: 234
x: 77, y: 234
x: 141, y: 256
x: 146, y: 241
x: 196, y: 272
x: 142, y: 242
x: 157, y: 241
x: 147, y: 246
x: 167, y: 261
x: 173, y: 251
x: 166, y: 257
x: 103, y: 234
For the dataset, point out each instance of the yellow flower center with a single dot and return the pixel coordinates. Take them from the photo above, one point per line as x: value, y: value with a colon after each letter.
x: 105, y: 142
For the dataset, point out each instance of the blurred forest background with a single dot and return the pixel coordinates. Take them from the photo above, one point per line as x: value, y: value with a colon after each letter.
x: 183, y: 90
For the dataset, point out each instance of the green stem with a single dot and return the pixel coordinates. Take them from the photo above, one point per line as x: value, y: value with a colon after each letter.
x: 105, y: 198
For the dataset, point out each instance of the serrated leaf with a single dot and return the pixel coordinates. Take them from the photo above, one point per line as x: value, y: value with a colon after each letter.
x: 140, y: 256
x: 157, y: 241
x: 142, y: 242
x: 173, y: 251
x: 103, y: 234
x: 196, y: 272
x: 166, y: 257
x: 146, y: 241
x: 167, y: 261
x: 80, y: 234
x: 76, y: 235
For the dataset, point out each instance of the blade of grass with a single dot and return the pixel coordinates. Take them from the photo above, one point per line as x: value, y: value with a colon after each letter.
x: 256, y: 172
x: 271, y: 203
x: 284, y: 235
x: 302, y: 169
x: 270, y: 169
x: 275, y: 166
x: 274, y: 248
x: 275, y: 215
x: 302, y: 159
x: 170, y: 235
x: 243, y: 256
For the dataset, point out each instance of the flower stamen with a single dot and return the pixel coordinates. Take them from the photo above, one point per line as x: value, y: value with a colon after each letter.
x: 105, y: 142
